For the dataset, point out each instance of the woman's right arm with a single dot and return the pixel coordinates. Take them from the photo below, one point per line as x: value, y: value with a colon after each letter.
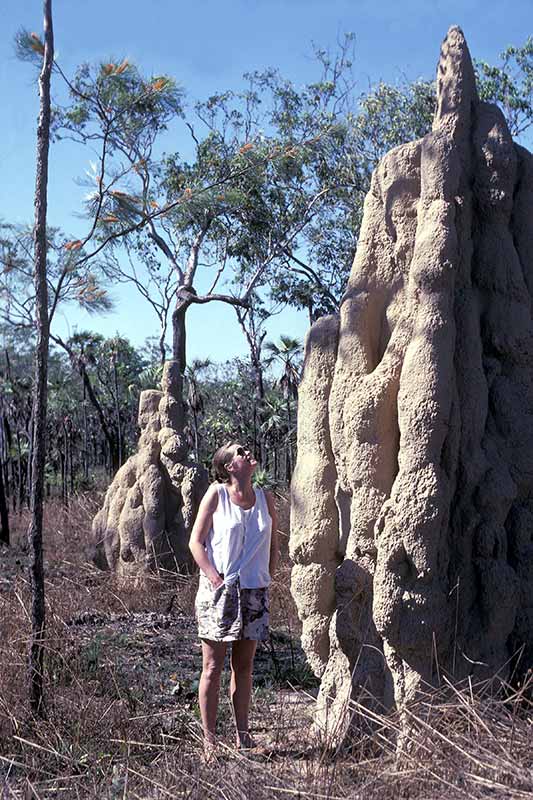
x: 201, y: 528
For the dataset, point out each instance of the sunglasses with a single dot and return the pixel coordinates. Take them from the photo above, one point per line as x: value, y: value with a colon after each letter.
x: 241, y: 451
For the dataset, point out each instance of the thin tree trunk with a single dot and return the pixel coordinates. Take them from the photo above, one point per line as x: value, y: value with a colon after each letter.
x: 13, y: 487
x: 20, y: 482
x: 4, y: 514
x: 162, y: 348
x: 6, y: 457
x: 85, y: 440
x: 71, y: 461
x: 29, y: 464
x: 288, y: 468
x: 35, y: 530
x: 117, y: 412
x: 62, y: 460
x: 64, y: 467
x: 196, y: 438
x: 259, y: 416
x: 112, y: 445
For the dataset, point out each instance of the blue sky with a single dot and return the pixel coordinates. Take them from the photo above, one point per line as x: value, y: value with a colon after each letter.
x: 207, y: 46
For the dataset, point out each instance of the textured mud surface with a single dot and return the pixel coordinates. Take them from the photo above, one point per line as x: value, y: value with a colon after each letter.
x: 412, y: 503
x: 150, y: 507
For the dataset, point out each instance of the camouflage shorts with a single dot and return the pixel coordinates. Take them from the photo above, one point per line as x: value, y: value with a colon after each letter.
x: 229, y: 613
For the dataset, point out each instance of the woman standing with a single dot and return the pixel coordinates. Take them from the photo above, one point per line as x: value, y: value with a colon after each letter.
x: 234, y: 542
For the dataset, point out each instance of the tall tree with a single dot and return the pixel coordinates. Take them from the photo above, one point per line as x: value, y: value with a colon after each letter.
x: 237, y: 209
x: 35, y: 530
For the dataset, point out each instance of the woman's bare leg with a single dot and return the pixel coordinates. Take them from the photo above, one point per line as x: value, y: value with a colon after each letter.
x: 209, y: 689
x: 242, y: 660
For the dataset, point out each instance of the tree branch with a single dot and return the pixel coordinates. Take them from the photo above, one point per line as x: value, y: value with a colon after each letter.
x: 223, y: 298
x: 308, y: 271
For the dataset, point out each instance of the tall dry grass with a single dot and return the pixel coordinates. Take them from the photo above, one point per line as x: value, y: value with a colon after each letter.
x: 121, y: 714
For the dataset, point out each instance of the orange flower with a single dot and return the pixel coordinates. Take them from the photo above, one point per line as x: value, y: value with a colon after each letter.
x: 141, y: 163
x: 158, y: 84
x: 36, y: 43
x: 122, y: 67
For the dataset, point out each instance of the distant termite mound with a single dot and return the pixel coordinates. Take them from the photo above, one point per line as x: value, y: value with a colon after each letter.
x: 412, y: 498
x: 150, y: 507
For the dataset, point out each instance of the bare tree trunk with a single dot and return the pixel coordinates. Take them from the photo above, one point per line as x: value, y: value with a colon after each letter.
x: 13, y: 487
x: 64, y: 467
x: 85, y: 440
x: 4, y: 514
x: 20, y: 480
x: 178, y: 346
x: 259, y: 416
x: 195, y: 432
x: 179, y: 333
x: 29, y: 461
x: 161, y: 343
x: 288, y: 468
x: 117, y: 412
x: 35, y: 530
x: 5, y: 458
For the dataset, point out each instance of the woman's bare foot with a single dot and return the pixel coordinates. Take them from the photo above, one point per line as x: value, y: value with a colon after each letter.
x: 210, y: 751
x: 245, y: 741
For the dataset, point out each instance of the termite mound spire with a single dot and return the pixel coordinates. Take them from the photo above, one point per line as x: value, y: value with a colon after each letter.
x: 151, y: 504
x: 412, y: 498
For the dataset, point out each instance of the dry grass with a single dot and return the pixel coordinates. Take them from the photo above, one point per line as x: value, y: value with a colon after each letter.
x: 122, y: 720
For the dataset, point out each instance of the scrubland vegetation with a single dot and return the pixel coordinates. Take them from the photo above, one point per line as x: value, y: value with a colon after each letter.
x: 121, y: 675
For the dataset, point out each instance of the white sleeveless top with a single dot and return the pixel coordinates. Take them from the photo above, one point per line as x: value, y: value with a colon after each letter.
x: 238, y: 544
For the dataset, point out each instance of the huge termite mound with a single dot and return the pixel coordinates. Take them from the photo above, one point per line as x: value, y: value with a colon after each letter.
x: 412, y: 498
x: 150, y: 507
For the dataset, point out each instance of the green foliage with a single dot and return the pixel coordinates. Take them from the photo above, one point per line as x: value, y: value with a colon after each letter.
x: 77, y: 451
x: 287, y: 353
x: 390, y: 115
x: 149, y: 378
x: 264, y: 479
x: 70, y: 279
x: 227, y: 390
x: 510, y: 85
x: 294, y: 141
x: 29, y: 47
x: 113, y: 98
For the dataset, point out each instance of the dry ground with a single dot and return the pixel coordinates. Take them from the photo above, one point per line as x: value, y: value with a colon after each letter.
x: 122, y: 668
